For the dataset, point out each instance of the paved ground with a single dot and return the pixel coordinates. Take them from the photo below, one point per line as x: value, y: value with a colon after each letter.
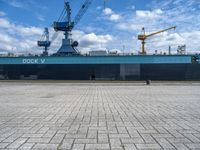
x: 99, y: 116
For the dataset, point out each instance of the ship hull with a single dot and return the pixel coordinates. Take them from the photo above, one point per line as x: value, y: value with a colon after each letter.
x: 182, y: 68
x: 170, y: 72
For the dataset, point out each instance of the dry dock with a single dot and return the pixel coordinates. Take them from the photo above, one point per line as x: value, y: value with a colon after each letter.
x: 103, y: 116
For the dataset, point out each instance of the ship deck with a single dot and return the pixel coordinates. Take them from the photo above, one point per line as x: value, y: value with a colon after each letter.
x: 129, y: 59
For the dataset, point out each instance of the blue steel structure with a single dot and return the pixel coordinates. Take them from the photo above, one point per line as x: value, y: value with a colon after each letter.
x: 66, y: 25
x: 44, y: 42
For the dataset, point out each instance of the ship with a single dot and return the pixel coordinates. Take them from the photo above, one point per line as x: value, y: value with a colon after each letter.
x: 68, y: 64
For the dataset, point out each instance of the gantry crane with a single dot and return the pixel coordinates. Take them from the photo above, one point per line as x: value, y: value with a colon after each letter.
x: 44, y: 42
x: 66, y: 25
x: 145, y: 36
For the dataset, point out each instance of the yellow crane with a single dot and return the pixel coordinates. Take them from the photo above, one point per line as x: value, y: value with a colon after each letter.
x: 142, y: 37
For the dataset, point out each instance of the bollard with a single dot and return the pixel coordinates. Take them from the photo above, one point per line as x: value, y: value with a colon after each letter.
x: 148, y: 82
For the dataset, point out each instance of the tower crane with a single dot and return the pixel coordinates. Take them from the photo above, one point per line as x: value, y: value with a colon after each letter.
x: 44, y: 42
x: 66, y: 25
x: 142, y: 37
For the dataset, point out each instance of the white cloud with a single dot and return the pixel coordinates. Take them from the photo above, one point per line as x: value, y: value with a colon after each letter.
x: 115, y: 17
x: 111, y: 15
x: 40, y: 17
x: 2, y: 13
x: 16, y: 4
x: 18, y: 38
x: 4, y: 23
x: 28, y: 31
x: 129, y: 27
x: 108, y: 11
x: 91, y: 41
x: 131, y: 7
x: 19, y: 30
x: 6, y: 38
x: 149, y: 14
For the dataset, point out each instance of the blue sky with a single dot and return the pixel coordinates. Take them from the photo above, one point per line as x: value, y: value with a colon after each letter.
x: 117, y: 26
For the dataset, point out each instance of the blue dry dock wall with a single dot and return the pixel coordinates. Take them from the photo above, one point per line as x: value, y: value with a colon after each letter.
x: 175, y: 59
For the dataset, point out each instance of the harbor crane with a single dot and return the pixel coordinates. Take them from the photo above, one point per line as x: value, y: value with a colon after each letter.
x: 142, y: 37
x: 44, y: 42
x: 66, y: 25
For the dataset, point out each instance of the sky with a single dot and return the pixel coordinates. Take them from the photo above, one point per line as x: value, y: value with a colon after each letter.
x: 113, y: 26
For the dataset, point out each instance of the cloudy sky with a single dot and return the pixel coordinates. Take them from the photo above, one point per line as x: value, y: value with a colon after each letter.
x: 113, y: 26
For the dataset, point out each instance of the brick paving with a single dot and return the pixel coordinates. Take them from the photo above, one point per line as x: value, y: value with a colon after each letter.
x: 91, y: 116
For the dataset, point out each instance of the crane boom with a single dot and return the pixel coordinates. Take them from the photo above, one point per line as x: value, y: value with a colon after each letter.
x: 144, y: 36
x: 82, y: 11
x: 152, y: 34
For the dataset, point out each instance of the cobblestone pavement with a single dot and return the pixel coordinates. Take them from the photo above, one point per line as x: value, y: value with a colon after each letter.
x: 99, y: 116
